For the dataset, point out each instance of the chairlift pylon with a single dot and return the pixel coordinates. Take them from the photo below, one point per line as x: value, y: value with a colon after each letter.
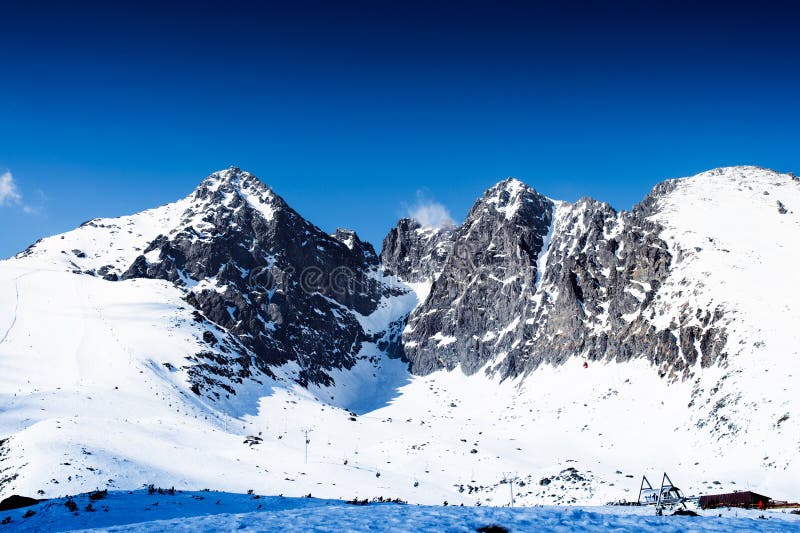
x: 666, y: 496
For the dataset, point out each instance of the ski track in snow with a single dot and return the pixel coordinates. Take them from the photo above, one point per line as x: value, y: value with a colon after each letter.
x: 16, y: 309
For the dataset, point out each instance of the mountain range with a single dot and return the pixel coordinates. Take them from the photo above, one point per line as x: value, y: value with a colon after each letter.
x: 223, y: 341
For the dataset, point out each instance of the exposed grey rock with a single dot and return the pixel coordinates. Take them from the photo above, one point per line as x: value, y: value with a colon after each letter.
x: 257, y: 269
x: 490, y: 270
x: 416, y: 253
x: 361, y: 248
x: 529, y: 282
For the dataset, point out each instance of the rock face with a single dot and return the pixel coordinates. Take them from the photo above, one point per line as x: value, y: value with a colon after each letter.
x: 485, y: 281
x: 254, y: 267
x: 531, y: 281
x: 416, y: 253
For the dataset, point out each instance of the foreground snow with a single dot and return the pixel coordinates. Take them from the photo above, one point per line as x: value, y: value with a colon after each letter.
x: 218, y: 511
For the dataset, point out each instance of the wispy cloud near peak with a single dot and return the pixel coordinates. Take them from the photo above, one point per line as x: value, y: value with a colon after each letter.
x: 429, y: 212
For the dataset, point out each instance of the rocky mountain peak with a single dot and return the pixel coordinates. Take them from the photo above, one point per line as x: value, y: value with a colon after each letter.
x: 235, y: 188
x: 232, y: 175
x: 347, y: 237
x: 483, y: 285
x: 510, y: 198
x: 249, y: 263
x: 351, y: 239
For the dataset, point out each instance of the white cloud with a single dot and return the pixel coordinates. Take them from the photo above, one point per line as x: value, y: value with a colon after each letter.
x: 430, y: 213
x: 9, y: 194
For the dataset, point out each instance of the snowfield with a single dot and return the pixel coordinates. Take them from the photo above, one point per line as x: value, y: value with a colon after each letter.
x: 94, y: 394
x: 218, y: 511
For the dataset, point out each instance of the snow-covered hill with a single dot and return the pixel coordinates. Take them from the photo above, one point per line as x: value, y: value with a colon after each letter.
x: 150, y: 349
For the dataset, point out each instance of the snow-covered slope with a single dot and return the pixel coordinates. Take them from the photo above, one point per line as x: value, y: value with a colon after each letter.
x: 98, y: 377
x: 733, y: 232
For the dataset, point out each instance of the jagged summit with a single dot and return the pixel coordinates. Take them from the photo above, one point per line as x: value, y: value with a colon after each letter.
x: 510, y: 185
x: 507, y: 197
x: 235, y: 188
x: 483, y: 283
x: 346, y: 236
x: 232, y: 175
x: 353, y: 242
x: 229, y: 180
x: 290, y: 292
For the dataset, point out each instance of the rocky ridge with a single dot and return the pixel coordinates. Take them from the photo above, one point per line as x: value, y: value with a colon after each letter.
x: 523, y: 281
x: 530, y: 281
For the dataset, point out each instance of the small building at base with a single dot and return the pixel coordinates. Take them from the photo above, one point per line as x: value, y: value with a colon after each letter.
x: 735, y: 499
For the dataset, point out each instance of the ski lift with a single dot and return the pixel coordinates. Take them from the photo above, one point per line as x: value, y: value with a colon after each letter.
x: 666, y: 496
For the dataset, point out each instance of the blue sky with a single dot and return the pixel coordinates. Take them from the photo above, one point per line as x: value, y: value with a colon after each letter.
x: 349, y: 111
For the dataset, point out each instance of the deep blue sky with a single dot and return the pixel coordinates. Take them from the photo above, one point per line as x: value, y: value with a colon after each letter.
x: 348, y: 110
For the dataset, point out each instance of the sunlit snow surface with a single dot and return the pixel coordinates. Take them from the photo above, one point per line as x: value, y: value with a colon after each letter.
x: 215, y: 511
x: 93, y: 392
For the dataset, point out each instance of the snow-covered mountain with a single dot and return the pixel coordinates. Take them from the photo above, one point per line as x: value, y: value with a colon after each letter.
x: 567, y: 345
